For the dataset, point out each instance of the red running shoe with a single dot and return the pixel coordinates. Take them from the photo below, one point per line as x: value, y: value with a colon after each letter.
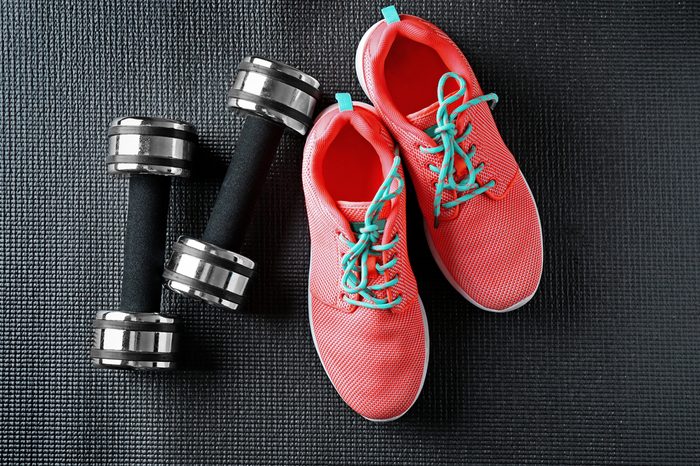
x: 481, y: 220
x: 367, y: 320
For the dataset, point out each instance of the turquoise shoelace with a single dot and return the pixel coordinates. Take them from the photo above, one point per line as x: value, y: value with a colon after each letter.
x: 354, y: 262
x: 446, y: 133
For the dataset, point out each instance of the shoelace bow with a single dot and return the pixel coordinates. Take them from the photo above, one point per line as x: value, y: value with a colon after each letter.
x: 446, y: 132
x: 354, y: 262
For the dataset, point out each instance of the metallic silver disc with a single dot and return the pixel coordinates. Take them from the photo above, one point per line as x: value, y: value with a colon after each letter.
x: 213, y: 274
x: 275, y: 91
x: 134, y: 340
x: 160, y: 146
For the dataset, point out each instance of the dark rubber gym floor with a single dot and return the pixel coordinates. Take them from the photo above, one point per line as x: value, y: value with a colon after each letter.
x: 600, y: 103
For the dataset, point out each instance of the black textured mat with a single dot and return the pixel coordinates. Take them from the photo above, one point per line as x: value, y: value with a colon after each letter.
x: 600, y: 102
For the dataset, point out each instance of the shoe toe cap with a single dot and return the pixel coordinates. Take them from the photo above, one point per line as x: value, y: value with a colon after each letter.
x: 497, y: 263
x: 376, y: 360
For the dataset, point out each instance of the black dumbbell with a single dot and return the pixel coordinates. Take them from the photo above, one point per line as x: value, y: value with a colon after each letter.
x: 274, y: 96
x: 136, y: 336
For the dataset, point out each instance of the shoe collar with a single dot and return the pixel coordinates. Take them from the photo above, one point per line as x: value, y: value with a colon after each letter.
x: 368, y: 125
x: 423, y: 32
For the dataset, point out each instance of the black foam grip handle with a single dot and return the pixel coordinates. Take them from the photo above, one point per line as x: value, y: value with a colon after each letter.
x: 144, y: 247
x: 244, y: 179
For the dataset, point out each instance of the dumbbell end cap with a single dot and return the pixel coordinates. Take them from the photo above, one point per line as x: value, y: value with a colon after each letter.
x: 204, y: 271
x: 275, y: 91
x: 144, y: 341
x: 148, y: 145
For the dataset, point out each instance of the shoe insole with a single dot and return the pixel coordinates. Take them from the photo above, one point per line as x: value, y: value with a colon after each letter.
x: 351, y: 168
x: 412, y: 72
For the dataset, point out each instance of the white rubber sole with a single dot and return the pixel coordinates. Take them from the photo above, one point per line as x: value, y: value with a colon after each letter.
x: 358, y: 57
x: 425, y: 365
x: 361, y: 78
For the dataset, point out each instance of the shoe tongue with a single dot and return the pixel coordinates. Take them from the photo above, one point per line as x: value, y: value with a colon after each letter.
x: 425, y: 119
x: 355, y: 212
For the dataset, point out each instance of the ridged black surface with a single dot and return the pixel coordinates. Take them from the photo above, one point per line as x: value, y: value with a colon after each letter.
x: 600, y: 102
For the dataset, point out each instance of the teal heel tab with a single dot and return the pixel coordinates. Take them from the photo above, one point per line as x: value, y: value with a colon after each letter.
x: 390, y: 14
x: 344, y: 101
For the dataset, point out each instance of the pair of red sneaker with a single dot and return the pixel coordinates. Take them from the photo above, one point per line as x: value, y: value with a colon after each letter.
x: 367, y: 320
